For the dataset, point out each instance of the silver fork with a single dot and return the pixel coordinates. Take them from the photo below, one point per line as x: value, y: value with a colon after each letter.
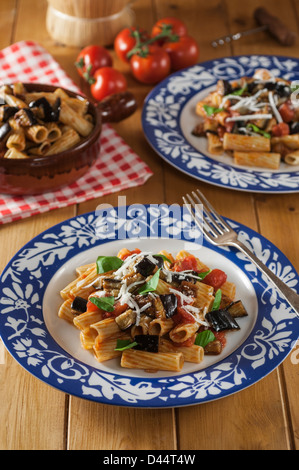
x: 219, y: 233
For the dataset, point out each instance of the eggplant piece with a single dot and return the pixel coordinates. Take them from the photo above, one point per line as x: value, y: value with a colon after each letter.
x: 145, y: 267
x: 224, y: 87
x: 237, y: 309
x: 4, y: 130
x: 149, y: 343
x: 6, y: 112
x: 79, y: 305
x: 221, y: 320
x: 126, y: 319
x: 50, y: 114
x: 170, y: 303
x: 25, y: 117
x: 283, y: 90
x: 213, y: 348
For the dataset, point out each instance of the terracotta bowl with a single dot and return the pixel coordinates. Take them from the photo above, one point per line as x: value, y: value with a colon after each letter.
x: 40, y: 174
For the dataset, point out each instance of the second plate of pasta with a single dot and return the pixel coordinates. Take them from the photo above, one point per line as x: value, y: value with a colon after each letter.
x: 230, y: 122
x: 118, y: 308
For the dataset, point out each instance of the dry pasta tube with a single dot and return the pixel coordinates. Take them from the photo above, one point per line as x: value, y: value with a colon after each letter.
x: 106, y: 350
x: 67, y: 140
x: 192, y: 353
x: 182, y: 332
x: 260, y: 159
x: 135, y: 359
x: 292, y: 158
x: 245, y: 143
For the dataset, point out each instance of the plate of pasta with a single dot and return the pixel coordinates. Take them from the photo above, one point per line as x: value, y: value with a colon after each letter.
x: 97, y: 311
x: 231, y: 122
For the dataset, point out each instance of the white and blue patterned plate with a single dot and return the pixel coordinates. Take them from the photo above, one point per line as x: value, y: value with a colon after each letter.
x: 168, y: 119
x: 49, y: 348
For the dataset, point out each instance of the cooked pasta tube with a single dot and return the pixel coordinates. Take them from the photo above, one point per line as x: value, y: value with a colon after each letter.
x: 290, y: 141
x: 86, y: 319
x: 37, y: 133
x: 258, y: 159
x: 13, y: 153
x: 162, y: 287
x: 65, y: 311
x: 135, y: 359
x: 105, y: 350
x: 70, y: 117
x: 16, y: 140
x: 67, y: 140
x: 54, y: 132
x: 83, y: 285
x: 215, y: 145
x: 292, y: 158
x: 106, y: 328
x: 245, y: 143
x: 40, y: 149
x: 182, y: 332
x: 160, y: 326
x: 12, y: 100
x: 80, y: 105
x: 229, y: 289
x: 192, y: 353
x: 87, y: 338
x: 82, y: 269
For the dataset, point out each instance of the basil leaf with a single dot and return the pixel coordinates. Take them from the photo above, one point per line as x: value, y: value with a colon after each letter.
x: 210, y: 110
x: 108, y: 263
x: 204, y: 337
x: 151, y: 285
x: 123, y: 344
x: 258, y: 130
x: 203, y: 274
x: 164, y: 258
x: 104, y: 303
x: 217, y: 300
x: 239, y: 92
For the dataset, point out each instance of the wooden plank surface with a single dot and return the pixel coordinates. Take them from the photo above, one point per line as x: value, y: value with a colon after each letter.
x: 264, y: 416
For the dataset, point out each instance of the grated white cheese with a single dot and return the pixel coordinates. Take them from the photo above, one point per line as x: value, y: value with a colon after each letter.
x: 274, y: 108
x: 249, y: 117
x: 183, y: 296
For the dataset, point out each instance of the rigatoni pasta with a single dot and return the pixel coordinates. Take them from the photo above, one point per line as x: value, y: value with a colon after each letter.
x: 41, y: 123
x: 253, y: 119
x: 153, y: 311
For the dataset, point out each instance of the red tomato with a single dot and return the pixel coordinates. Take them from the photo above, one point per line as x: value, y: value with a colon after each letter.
x: 177, y: 26
x: 187, y: 264
x: 280, y: 129
x: 119, y: 309
x: 287, y: 112
x: 125, y: 41
x: 216, y: 278
x: 182, y: 316
x: 108, y: 81
x: 91, y: 307
x: 152, y: 68
x: 183, y: 53
x: 92, y: 58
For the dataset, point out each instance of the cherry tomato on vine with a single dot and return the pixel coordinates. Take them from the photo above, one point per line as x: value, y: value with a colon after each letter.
x: 125, y: 41
x: 108, y: 81
x: 92, y: 58
x: 152, y: 67
x: 178, y: 27
x: 183, y: 53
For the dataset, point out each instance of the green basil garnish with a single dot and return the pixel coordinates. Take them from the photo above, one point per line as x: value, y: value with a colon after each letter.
x: 151, y: 285
x: 258, y: 130
x: 164, y: 258
x: 204, y: 337
x: 203, y: 275
x: 240, y: 91
x: 108, y: 263
x: 217, y: 300
x: 210, y: 110
x: 123, y: 344
x: 104, y: 303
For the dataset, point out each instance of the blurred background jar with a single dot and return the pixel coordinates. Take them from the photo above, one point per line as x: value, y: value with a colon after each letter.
x: 82, y: 22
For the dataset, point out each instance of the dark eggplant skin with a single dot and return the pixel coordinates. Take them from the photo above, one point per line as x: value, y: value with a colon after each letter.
x: 149, y: 343
x: 4, y: 130
x: 79, y: 305
x: 170, y: 303
x: 221, y: 320
x: 145, y: 267
x: 50, y: 114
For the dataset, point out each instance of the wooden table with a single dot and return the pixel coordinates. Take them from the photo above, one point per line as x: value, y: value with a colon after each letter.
x: 265, y: 416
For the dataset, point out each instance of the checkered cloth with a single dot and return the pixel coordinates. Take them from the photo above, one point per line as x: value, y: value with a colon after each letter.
x: 117, y: 168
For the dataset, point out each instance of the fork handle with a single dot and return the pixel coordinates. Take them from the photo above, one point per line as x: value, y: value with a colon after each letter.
x: 289, y: 294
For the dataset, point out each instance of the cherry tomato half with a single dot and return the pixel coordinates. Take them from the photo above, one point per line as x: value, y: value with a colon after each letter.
x: 216, y: 278
x: 108, y: 81
x: 92, y: 58
x: 178, y: 26
x: 125, y: 41
x: 183, y: 53
x: 152, y: 68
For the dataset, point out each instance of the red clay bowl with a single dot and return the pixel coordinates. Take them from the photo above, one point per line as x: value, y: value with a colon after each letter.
x: 41, y: 174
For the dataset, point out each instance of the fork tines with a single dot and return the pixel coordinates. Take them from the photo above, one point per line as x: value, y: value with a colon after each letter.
x: 205, y: 216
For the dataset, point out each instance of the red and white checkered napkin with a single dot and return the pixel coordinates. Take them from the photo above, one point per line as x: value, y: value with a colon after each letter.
x: 117, y: 168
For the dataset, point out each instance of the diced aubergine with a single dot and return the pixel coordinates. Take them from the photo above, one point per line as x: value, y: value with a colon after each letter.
x: 170, y: 303
x: 145, y: 267
x: 79, y: 305
x: 213, y: 348
x: 237, y: 309
x: 149, y: 343
x: 221, y: 320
